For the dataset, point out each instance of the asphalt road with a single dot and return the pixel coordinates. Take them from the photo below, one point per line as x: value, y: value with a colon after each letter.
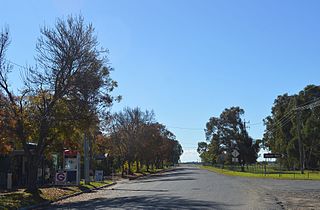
x: 193, y: 188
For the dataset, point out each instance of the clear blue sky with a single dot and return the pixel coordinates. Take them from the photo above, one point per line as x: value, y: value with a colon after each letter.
x: 189, y: 59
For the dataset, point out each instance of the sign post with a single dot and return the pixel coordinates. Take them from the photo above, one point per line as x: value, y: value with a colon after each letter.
x: 72, y: 167
x: 235, y: 155
x: 61, y: 177
x: 9, y: 181
x: 272, y: 155
x: 98, y: 175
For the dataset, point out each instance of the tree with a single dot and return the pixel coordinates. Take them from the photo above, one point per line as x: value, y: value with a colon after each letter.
x: 5, y: 123
x: 137, y: 138
x: 226, y: 133
x: 127, y: 128
x: 71, y: 71
x: 282, y: 129
x: 206, y: 152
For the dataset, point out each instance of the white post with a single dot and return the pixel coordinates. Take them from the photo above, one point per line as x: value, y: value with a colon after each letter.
x: 9, y: 181
x: 78, y: 168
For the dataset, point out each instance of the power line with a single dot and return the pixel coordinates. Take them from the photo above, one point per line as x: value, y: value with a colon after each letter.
x: 284, y: 122
x: 258, y: 123
x: 303, y: 106
x: 309, y: 106
x: 281, y: 122
x: 288, y: 113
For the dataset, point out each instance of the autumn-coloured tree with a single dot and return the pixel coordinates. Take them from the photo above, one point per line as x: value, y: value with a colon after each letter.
x: 137, y: 137
x: 72, y: 73
x: 6, y: 135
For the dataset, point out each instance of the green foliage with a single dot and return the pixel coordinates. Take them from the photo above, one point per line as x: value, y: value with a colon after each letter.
x: 224, y: 134
x: 281, y: 134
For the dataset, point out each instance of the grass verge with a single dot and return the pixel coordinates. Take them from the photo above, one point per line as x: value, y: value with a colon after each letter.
x: 20, y: 198
x: 291, y: 175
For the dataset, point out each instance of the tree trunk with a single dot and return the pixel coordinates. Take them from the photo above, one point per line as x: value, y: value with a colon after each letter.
x: 33, y: 161
x: 157, y: 164
x: 147, y: 166
x: 129, y: 168
x: 138, y: 166
x: 122, y: 173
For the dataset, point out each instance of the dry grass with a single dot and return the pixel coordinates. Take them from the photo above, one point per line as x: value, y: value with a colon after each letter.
x: 20, y: 198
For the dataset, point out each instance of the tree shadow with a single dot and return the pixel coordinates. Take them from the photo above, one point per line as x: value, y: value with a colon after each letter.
x: 85, y: 188
x: 167, y: 179
x: 131, y: 190
x: 145, y: 202
x: 171, y: 173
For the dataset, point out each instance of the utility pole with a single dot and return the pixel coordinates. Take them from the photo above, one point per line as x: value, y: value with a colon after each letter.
x: 86, y: 160
x: 299, y: 140
x: 299, y: 109
x: 245, y: 124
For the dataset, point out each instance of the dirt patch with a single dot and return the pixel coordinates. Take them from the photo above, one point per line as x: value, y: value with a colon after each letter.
x: 302, y: 199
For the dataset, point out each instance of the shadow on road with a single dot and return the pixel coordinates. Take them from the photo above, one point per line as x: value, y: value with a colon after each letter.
x: 145, y: 202
x: 121, y: 189
x: 177, y: 179
x: 173, y: 173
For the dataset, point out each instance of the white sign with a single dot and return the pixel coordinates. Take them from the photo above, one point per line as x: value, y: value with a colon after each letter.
x: 70, y: 163
x: 61, y: 177
x: 235, y: 160
x: 235, y: 153
x: 99, y: 175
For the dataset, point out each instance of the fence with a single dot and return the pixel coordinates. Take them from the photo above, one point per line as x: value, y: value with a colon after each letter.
x: 274, y: 170
x: 3, y: 180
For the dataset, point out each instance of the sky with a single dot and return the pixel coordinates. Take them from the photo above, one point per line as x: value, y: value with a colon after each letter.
x: 188, y: 60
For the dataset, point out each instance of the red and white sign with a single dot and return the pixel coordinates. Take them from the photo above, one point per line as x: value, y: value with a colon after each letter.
x: 61, y: 177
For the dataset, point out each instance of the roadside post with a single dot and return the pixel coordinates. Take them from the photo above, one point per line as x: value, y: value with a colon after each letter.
x: 235, y: 155
x: 72, y: 166
x: 61, y: 177
x: 98, y: 175
x: 269, y: 156
x: 9, y: 181
x: 70, y: 175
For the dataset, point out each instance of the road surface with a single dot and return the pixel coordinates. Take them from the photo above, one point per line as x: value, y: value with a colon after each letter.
x: 193, y: 188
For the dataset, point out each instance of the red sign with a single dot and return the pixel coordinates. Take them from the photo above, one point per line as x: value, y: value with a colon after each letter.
x: 70, y: 152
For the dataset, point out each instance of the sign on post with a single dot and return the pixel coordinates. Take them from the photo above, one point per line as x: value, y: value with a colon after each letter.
x: 235, y: 153
x: 272, y: 155
x: 72, y: 167
x: 61, y: 177
x: 99, y: 175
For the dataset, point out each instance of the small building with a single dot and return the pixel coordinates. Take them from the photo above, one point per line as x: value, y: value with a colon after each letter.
x: 15, y: 163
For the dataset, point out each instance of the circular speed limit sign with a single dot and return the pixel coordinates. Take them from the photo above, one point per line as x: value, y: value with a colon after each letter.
x: 61, y: 177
